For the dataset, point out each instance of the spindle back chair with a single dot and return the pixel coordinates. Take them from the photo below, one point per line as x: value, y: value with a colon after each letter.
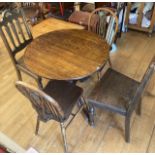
x: 104, y: 22
x: 16, y: 35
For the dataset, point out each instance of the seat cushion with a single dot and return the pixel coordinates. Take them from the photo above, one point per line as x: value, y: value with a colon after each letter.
x: 114, y: 91
x: 65, y: 93
x: 79, y: 17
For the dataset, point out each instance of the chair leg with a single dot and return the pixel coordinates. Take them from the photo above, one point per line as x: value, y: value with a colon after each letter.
x: 99, y: 75
x: 110, y: 62
x: 127, y: 129
x: 91, y: 113
x: 84, y: 102
x: 63, y: 131
x: 81, y: 102
x: 138, y: 110
x: 19, y: 75
x: 39, y: 82
x: 37, y: 126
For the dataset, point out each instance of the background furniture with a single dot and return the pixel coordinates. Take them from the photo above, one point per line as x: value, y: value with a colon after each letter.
x: 61, y: 10
x: 57, y: 6
x: 120, y: 12
x: 76, y: 55
x: 16, y: 37
x: 34, y: 11
x: 80, y: 17
x: 138, y: 25
x: 55, y: 102
x: 120, y: 94
x: 104, y: 22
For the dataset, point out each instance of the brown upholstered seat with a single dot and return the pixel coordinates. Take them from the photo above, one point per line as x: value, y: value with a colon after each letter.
x: 114, y: 89
x: 79, y: 17
x: 66, y: 94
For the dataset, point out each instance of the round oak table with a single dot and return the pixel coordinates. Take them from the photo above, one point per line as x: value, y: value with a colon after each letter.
x: 66, y: 54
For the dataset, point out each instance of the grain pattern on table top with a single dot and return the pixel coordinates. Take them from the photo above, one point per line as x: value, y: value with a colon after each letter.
x: 66, y: 54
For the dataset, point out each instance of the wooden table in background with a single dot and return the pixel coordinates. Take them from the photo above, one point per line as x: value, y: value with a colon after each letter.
x: 66, y: 54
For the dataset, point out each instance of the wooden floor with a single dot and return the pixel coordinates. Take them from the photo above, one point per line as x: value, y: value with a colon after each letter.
x: 18, y: 119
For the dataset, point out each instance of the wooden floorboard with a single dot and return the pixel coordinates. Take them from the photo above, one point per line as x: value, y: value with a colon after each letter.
x: 18, y: 119
x: 151, y: 145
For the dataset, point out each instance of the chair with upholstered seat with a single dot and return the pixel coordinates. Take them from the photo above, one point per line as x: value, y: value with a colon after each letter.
x: 16, y: 35
x: 55, y: 102
x: 104, y: 22
x: 119, y: 94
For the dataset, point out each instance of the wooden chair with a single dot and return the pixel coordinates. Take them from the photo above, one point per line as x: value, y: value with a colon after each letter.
x: 80, y: 17
x: 120, y: 94
x: 104, y: 22
x: 54, y: 102
x: 16, y: 35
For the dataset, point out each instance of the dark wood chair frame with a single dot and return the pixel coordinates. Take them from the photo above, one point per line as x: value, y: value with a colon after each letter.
x: 134, y: 103
x: 11, y: 25
x: 42, y: 102
x: 96, y: 28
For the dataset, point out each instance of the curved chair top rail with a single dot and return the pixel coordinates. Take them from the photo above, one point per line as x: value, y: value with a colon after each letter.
x: 98, y: 23
x: 44, y: 104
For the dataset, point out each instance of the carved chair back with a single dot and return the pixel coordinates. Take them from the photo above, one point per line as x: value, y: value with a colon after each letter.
x: 46, y: 107
x: 104, y: 22
x: 15, y: 32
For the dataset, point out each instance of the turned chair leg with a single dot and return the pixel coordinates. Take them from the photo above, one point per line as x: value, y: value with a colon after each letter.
x: 138, y: 110
x: 91, y: 113
x: 63, y: 132
x: 85, y: 110
x: 37, y: 126
x: 127, y: 129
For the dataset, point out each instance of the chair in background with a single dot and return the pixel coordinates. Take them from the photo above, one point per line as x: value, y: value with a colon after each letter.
x: 119, y: 94
x: 54, y: 102
x: 16, y: 35
x: 80, y: 17
x: 34, y: 11
x: 104, y: 22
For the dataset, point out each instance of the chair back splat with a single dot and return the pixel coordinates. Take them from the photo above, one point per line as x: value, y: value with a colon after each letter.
x: 46, y: 107
x: 15, y: 32
x: 104, y: 22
